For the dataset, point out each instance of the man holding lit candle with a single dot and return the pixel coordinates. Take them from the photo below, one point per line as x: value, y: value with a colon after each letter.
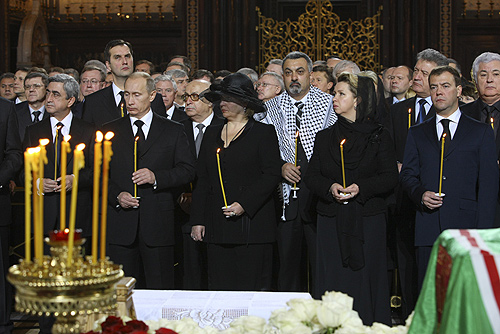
x: 62, y: 93
x: 401, y: 117
x: 470, y: 171
x: 140, y: 232
x: 302, y: 109
x: 108, y: 103
x: 10, y: 163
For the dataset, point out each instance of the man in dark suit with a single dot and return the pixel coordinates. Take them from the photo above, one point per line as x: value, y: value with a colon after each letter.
x: 201, y: 116
x: 108, y: 103
x: 166, y: 86
x: 10, y: 164
x: 403, y: 214
x: 33, y: 109
x: 401, y: 81
x: 62, y: 93
x: 470, y: 170
x: 486, y: 74
x: 141, y: 231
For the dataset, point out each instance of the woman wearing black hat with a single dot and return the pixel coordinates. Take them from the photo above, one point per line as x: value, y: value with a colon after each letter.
x: 352, y: 184
x: 239, y: 236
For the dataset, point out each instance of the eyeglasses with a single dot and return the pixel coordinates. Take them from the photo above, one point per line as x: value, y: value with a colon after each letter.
x: 35, y: 86
x: 93, y: 81
x: 194, y: 97
x: 263, y: 84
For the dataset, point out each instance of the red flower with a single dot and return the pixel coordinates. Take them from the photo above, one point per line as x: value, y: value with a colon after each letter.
x: 165, y: 331
x: 92, y: 332
x: 112, y: 325
x: 137, y: 325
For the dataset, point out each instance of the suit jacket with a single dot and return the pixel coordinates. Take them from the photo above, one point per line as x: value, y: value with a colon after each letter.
x: 251, y: 171
x: 397, y: 123
x: 474, y: 110
x: 188, y: 127
x: 77, y: 109
x: 179, y: 115
x: 81, y: 132
x: 11, y: 158
x: 167, y: 155
x: 100, y: 107
x: 24, y: 117
x: 470, y: 178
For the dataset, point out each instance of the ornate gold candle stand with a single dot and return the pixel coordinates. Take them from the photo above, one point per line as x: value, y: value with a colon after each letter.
x: 51, y: 288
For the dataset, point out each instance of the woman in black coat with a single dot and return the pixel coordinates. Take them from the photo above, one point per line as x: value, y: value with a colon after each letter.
x: 239, y: 236
x: 352, y: 209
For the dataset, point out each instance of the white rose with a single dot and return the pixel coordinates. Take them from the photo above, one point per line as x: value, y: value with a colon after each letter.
x: 328, y: 317
x: 249, y: 324
x: 337, y: 298
x: 306, y: 309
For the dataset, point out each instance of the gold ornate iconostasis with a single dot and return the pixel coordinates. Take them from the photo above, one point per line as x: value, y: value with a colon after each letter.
x: 319, y: 32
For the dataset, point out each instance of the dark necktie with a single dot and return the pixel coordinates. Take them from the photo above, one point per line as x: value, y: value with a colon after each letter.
x: 421, y: 111
x: 446, y: 130
x: 140, y: 133
x: 36, y: 115
x: 122, y: 105
x: 298, y: 116
x: 57, y: 142
x: 199, y: 138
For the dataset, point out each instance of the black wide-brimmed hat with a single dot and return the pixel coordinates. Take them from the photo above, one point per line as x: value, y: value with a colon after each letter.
x: 237, y: 86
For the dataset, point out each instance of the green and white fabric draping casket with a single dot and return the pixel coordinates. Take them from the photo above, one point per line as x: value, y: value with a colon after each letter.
x: 461, y: 290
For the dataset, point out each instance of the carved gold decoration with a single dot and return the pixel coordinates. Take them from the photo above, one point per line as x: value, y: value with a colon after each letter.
x: 481, y: 8
x: 53, y: 288
x: 445, y: 28
x: 192, y: 32
x: 319, y: 32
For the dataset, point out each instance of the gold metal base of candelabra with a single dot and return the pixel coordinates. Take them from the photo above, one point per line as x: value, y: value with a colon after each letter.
x: 52, y: 288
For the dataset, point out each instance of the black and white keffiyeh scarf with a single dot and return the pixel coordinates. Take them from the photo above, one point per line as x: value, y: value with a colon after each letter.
x: 317, y: 114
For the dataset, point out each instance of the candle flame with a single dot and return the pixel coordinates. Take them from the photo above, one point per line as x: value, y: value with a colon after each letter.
x: 44, y: 141
x: 297, y: 134
x: 342, y: 142
x: 80, y: 147
x: 218, y: 150
x: 444, y: 135
x: 109, y: 135
x: 409, y: 111
x: 33, y: 150
x: 67, y: 138
x: 59, y: 127
x: 66, y: 230
x: 99, y: 137
x: 136, y: 138
x: 492, y: 120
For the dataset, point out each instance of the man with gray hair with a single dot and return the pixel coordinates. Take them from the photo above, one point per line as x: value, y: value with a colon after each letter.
x: 486, y: 109
x: 297, y: 115
x: 345, y: 66
x: 276, y: 66
x: 181, y: 79
x: 254, y: 76
x: 62, y: 93
x: 269, y: 86
x: 166, y: 86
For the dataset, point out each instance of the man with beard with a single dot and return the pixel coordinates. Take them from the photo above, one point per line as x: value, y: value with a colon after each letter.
x: 305, y: 110
x: 108, y: 103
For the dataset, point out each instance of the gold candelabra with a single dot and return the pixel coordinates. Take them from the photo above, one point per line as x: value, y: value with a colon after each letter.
x: 52, y: 288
